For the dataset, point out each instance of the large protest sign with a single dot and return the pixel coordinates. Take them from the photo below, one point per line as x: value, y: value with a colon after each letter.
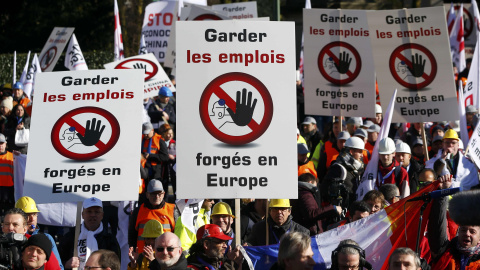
x: 157, y: 23
x: 53, y: 48
x: 413, y: 56
x: 243, y: 117
x: 240, y: 10
x: 155, y: 76
x: 338, y: 63
x: 89, y: 143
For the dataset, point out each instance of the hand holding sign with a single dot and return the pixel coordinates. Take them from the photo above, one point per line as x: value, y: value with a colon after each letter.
x: 418, y: 66
x: 244, y: 108
x: 343, y: 63
x: 92, y: 133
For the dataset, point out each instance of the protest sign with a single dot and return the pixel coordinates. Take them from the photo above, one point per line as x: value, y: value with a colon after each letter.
x: 157, y: 23
x: 238, y: 11
x: 91, y: 136
x: 339, y: 71
x: 53, y: 48
x: 243, y: 118
x: 469, y: 25
x: 413, y: 56
x: 155, y: 76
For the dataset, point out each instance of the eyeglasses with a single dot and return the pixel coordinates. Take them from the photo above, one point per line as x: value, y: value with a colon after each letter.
x: 91, y: 267
x: 169, y: 249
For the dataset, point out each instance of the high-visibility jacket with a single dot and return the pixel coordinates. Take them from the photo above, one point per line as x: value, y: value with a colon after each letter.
x: 153, y: 143
x: 449, y: 262
x: 369, y: 147
x: 331, y: 152
x: 307, y: 168
x: 164, y: 215
x: 6, y: 170
x: 187, y: 237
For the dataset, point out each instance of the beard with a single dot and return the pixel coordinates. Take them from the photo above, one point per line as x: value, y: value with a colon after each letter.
x: 168, y: 263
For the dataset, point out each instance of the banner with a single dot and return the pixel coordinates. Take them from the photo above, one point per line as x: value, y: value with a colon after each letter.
x: 457, y: 42
x: 238, y: 11
x: 54, y: 46
x: 155, y: 76
x: 74, y: 59
x: 91, y: 136
x: 157, y: 24
x: 118, y: 52
x: 469, y: 24
x: 462, y: 116
x: 339, y: 70
x: 241, y: 114
x: 23, y: 77
x: 411, y: 53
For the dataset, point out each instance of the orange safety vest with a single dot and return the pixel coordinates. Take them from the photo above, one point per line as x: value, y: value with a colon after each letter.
x: 447, y: 262
x: 6, y: 170
x: 369, y: 147
x: 164, y: 215
x: 154, y: 148
x: 331, y: 152
x: 365, y: 157
x: 307, y: 168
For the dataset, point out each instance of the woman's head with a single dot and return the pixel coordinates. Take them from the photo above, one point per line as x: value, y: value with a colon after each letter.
x: 19, y: 110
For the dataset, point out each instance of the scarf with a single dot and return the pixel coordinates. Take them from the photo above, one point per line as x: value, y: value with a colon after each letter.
x: 90, y: 245
x: 469, y: 252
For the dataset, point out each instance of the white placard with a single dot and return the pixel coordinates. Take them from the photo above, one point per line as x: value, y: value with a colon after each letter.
x: 235, y: 92
x: 155, y: 76
x: 240, y: 10
x: 339, y: 70
x: 412, y: 55
x: 84, y: 137
x: 53, y: 48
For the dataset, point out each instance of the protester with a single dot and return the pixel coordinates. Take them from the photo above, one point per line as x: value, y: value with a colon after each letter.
x: 349, y: 255
x: 375, y: 200
x: 311, y: 133
x: 105, y: 259
x: 162, y: 110
x: 19, y: 97
x: 404, y: 258
x: 389, y: 170
x: 252, y: 213
x: 330, y: 152
x: 169, y: 176
x: 36, y: 253
x: 391, y: 193
x: 188, y: 237
x: 295, y: 252
x: 93, y: 236
x: 357, y: 210
x: 412, y: 166
x: 7, y: 199
x: 151, y: 231
x: 18, y: 120
x: 154, y: 152
x: 304, y: 165
x: 6, y: 107
x: 168, y: 253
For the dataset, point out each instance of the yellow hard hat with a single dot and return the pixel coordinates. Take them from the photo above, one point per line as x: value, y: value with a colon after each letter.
x: 27, y: 204
x: 279, y: 203
x: 7, y: 86
x: 153, y: 229
x: 451, y: 134
x: 222, y: 208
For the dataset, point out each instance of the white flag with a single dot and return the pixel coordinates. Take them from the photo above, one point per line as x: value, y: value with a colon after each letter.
x: 14, y: 67
x: 451, y: 19
x: 189, y: 209
x: 370, y: 175
x: 23, y: 77
x: 143, y: 46
x: 461, y: 113
x: 308, y: 5
x: 457, y: 42
x: 476, y: 15
x: 118, y: 41
x: 74, y: 59
x: 29, y: 84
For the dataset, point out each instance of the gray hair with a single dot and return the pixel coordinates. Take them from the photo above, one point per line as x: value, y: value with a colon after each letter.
x: 291, y: 245
x: 349, y: 250
x: 405, y: 251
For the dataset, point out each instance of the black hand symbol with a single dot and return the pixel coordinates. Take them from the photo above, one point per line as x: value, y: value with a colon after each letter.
x: 244, y: 108
x: 417, y: 66
x: 92, y: 133
x: 140, y: 66
x: 343, y: 63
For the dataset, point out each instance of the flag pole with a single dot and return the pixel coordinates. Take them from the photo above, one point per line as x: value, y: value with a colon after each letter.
x: 77, y: 229
x: 238, y: 240
x: 424, y: 140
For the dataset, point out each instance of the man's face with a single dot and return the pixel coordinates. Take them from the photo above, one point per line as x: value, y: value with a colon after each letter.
x: 167, y: 251
x: 14, y: 223
x: 356, y: 153
x: 149, y: 241
x: 223, y: 221
x: 404, y: 158
x: 150, y: 134
x: 207, y: 204
x: 378, y: 119
x: 450, y: 146
x: 417, y: 150
x: 470, y: 117
x: 307, y: 128
x: 302, y: 158
x: 386, y: 159
x: 155, y: 198
x: 18, y: 93
x: 436, y: 146
x: 375, y: 206
x: 372, y: 136
x: 32, y: 220
x: 3, y: 147
x: 426, y: 178
x: 348, y: 261
x: 359, y: 215
x: 92, y: 217
x: 336, y: 129
x: 341, y: 144
x: 215, y: 248
x: 403, y: 262
x: 164, y: 99
x: 468, y: 236
x: 303, y: 261
x: 33, y: 257
x: 280, y: 214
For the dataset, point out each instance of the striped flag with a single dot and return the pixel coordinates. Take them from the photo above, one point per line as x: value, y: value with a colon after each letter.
x: 118, y: 41
x: 379, y: 235
x: 451, y: 19
x: 457, y: 42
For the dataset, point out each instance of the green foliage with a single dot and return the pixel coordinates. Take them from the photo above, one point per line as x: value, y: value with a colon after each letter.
x: 94, y: 59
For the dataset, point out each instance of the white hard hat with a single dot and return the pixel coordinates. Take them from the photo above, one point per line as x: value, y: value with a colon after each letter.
x: 378, y: 109
x: 403, y: 148
x: 387, y: 146
x: 355, y: 142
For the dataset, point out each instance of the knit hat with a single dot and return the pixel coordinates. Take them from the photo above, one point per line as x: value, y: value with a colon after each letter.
x: 7, y: 103
x: 41, y: 241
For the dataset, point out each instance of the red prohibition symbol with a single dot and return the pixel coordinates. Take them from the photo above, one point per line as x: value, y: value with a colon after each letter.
x: 348, y: 74
x: 151, y: 69
x: 48, y: 58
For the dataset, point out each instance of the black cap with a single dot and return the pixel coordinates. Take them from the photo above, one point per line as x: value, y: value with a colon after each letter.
x: 41, y: 241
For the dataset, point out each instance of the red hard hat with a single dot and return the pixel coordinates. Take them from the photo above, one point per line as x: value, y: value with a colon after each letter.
x: 212, y: 230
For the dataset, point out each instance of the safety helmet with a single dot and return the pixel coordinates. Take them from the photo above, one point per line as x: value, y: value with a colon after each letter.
x: 27, y: 204
x: 386, y: 146
x: 279, y: 203
x: 7, y: 86
x: 165, y: 91
x: 378, y: 109
x: 403, y: 148
x: 18, y: 85
x: 153, y: 229
x: 355, y: 142
x: 451, y: 134
x: 222, y: 208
